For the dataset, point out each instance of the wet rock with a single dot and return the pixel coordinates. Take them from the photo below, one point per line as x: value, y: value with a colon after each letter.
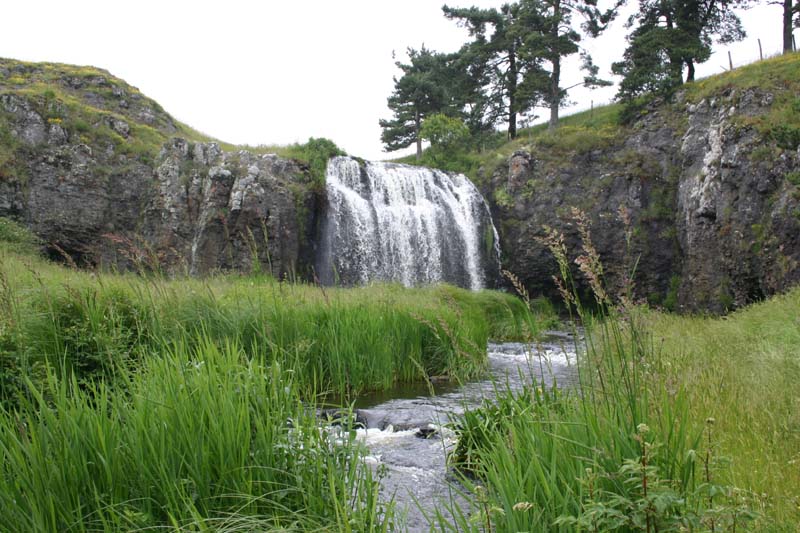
x: 343, y: 418
x: 426, y: 433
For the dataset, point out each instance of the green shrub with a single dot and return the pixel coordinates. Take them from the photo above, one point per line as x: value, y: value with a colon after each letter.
x: 786, y: 136
x: 316, y: 153
x: 16, y: 237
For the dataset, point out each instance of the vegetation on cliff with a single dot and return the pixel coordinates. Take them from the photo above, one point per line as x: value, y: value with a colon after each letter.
x: 606, y: 125
x: 105, y: 112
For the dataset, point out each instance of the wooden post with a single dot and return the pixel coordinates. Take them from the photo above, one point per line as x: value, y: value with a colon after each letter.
x: 794, y: 44
x: 730, y: 61
x: 760, y: 52
x: 591, y: 111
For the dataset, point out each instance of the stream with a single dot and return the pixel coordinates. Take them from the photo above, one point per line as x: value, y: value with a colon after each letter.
x: 405, y: 427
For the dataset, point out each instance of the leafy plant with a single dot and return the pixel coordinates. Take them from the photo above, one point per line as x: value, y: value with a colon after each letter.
x: 316, y: 153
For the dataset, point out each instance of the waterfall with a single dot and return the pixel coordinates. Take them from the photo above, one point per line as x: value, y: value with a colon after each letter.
x: 413, y: 225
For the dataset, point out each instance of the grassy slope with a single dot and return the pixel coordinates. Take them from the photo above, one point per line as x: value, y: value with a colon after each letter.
x: 600, y: 128
x: 744, y: 371
x: 83, y: 99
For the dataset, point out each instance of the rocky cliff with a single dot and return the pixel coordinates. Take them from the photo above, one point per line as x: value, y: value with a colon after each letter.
x: 105, y: 177
x: 710, y: 184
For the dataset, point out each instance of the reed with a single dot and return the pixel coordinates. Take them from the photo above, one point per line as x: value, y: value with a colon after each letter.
x: 341, y: 341
x: 137, y: 402
x: 654, y: 436
x: 200, y: 437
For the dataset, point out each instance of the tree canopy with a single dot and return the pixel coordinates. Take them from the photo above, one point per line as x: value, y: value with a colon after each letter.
x: 670, y: 35
x: 421, y: 90
x: 496, y: 59
x: 512, y: 61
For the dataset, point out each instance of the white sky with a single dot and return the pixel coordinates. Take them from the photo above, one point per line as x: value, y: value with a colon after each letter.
x: 268, y: 72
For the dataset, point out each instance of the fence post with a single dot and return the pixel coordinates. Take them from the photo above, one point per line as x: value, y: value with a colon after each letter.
x: 730, y: 61
x: 760, y: 52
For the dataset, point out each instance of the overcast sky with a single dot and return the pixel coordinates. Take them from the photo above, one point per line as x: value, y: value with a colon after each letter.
x: 265, y: 72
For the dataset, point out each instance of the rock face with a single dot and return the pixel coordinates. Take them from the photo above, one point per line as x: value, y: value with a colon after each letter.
x: 99, y: 172
x: 714, y: 206
x: 213, y: 210
x: 105, y: 177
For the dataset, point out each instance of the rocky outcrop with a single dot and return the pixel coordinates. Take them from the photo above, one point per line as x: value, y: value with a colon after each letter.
x: 100, y: 173
x: 695, y: 197
x: 714, y: 205
x: 213, y: 210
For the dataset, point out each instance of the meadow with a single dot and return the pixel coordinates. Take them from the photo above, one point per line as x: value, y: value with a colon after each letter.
x: 133, y: 401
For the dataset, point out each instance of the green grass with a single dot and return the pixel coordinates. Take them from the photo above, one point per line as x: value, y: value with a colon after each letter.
x: 681, y: 423
x: 744, y: 371
x: 551, y: 460
x: 336, y: 340
x: 195, y: 439
x: 136, y: 402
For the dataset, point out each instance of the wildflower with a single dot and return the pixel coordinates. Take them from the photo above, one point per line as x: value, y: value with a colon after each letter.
x: 522, y: 506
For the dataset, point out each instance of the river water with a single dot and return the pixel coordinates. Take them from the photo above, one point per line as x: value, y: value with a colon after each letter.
x: 414, y: 467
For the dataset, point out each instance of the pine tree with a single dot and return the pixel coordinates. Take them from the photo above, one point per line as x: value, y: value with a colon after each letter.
x: 422, y: 90
x: 496, y: 60
x: 671, y: 35
x: 790, y: 18
x: 550, y: 34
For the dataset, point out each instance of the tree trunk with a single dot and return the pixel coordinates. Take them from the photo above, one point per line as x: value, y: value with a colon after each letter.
x: 555, y: 93
x: 787, y: 26
x: 512, y: 94
x: 690, y: 70
x: 555, y: 76
x: 416, y: 134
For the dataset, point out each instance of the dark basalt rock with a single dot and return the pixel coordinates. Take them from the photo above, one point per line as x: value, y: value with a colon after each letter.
x: 426, y: 433
x: 344, y: 418
x: 714, y: 225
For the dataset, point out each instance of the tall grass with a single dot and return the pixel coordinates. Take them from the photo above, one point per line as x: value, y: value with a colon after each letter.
x: 744, y: 371
x: 630, y: 449
x: 138, y: 402
x: 343, y: 341
x: 197, y: 439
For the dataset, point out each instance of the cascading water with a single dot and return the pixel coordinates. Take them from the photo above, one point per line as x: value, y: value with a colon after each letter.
x: 413, y: 225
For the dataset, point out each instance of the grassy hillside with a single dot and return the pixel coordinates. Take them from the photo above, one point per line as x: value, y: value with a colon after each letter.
x: 91, y: 105
x: 603, y: 126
